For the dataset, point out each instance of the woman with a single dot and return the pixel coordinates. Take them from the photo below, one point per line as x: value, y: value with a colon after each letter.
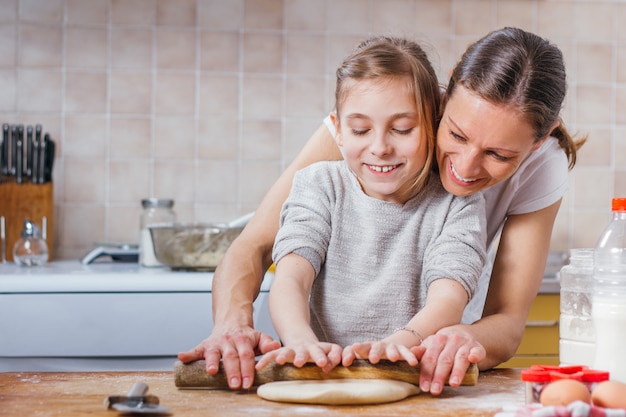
x: 500, y: 134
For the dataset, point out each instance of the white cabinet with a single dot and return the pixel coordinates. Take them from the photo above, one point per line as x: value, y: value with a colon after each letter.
x: 67, y: 317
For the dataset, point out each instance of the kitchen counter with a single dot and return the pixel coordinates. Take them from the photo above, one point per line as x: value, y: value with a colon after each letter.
x: 105, y: 316
x: 80, y: 394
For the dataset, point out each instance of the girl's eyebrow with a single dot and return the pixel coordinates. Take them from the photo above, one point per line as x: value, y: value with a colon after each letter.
x: 403, y: 115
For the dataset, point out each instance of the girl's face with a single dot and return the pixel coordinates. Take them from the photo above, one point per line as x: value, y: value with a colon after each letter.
x: 382, y: 138
x: 479, y: 143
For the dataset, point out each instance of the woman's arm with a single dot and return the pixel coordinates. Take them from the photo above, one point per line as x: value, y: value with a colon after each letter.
x: 238, y: 278
x: 517, y: 273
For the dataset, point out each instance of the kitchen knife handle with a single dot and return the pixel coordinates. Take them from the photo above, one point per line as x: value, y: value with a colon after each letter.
x: 29, y: 152
x: 19, y: 157
x: 4, y: 152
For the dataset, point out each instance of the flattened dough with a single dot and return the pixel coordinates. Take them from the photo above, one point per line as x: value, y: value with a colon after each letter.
x: 338, y: 391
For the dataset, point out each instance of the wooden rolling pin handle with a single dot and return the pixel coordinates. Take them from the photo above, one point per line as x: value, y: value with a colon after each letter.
x: 194, y: 375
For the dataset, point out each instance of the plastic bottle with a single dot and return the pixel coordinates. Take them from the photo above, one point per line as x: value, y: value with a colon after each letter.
x: 609, y: 295
x: 156, y: 211
x: 577, y: 334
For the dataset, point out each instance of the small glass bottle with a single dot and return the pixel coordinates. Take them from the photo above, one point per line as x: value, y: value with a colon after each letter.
x: 609, y: 294
x: 156, y: 211
x: 576, y: 331
x: 30, y: 249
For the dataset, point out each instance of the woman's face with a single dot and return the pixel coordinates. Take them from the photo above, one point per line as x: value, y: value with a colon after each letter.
x: 479, y: 143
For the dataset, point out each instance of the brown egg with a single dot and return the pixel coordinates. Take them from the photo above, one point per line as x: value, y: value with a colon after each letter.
x: 609, y: 394
x: 564, y: 392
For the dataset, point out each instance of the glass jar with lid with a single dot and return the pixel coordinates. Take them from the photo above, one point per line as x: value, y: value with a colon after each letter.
x: 156, y: 211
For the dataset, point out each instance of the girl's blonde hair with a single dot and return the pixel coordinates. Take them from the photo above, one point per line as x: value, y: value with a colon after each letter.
x: 384, y: 57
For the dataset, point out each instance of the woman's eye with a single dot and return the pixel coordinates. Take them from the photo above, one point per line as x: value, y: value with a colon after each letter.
x: 499, y: 157
x: 457, y: 136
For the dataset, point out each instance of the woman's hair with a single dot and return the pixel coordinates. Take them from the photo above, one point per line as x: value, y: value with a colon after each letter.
x: 386, y: 57
x: 522, y: 70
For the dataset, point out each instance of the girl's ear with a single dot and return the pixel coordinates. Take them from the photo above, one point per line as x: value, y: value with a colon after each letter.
x: 335, y: 120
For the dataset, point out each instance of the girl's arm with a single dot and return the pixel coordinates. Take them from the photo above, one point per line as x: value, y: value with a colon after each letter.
x: 445, y: 301
x: 517, y: 274
x: 289, y: 309
x: 238, y: 278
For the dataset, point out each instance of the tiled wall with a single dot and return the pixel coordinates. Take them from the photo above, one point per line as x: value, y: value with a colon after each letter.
x: 206, y: 101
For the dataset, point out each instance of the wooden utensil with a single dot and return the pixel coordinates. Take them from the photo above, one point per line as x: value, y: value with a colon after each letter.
x: 195, y: 376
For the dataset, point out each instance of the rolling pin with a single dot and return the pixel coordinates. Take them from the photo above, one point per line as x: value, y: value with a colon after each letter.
x: 194, y: 375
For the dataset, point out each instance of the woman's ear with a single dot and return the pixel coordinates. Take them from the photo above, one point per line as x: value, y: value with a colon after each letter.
x: 537, y: 144
x: 335, y: 120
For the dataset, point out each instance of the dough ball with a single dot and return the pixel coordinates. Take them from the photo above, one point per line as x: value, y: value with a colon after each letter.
x: 564, y: 392
x: 338, y: 391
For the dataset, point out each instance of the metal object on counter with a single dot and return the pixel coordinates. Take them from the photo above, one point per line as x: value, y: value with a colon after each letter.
x: 136, y: 401
x: 117, y: 253
x: 156, y: 212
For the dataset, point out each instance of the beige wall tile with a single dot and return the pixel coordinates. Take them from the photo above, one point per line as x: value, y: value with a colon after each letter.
x: 174, y: 179
x: 433, y: 17
x: 123, y: 223
x: 297, y: 132
x: 176, y: 49
x: 218, y: 138
x: 620, y: 107
x: 393, y: 17
x: 619, y: 17
x: 133, y: 12
x: 262, y: 53
x: 86, y: 47
x: 130, y: 138
x: 85, y: 136
x: 175, y: 94
x: 597, y: 150
x: 475, y: 18
x: 83, y: 226
x: 593, y: 104
x: 263, y: 14
x: 594, y: 223
x: 93, y: 12
x: 360, y: 20
x: 217, y: 182
x: 131, y: 93
x: 84, y: 179
x: 176, y: 13
x: 8, y: 86
x: 305, y: 97
x: 594, y: 63
x: 260, y: 140
x: 619, y: 188
x: 554, y: 19
x: 39, y: 90
x: 8, y: 10
x: 220, y: 51
x: 256, y: 177
x: 40, y: 46
x: 85, y: 92
x: 620, y: 52
x: 8, y: 44
x: 174, y: 137
x: 218, y: 95
x: 591, y: 187
x: 305, y: 54
x: 49, y: 11
x: 620, y: 147
x: 131, y: 48
x: 592, y: 20
x: 262, y: 97
x: 305, y: 15
x: 516, y: 13
x: 220, y: 15
x: 129, y: 181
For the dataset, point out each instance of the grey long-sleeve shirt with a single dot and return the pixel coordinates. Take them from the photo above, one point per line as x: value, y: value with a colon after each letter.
x: 373, y: 259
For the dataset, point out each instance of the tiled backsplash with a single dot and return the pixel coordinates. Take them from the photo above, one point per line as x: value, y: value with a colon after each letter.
x: 206, y: 101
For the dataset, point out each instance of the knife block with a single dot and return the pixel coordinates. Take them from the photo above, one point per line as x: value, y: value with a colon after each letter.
x: 19, y: 202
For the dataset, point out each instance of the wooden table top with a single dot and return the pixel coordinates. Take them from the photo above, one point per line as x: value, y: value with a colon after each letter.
x: 80, y: 394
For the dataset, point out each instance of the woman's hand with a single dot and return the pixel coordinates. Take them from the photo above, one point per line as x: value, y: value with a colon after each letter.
x: 237, y: 348
x: 446, y: 355
x: 375, y: 351
x: 324, y: 355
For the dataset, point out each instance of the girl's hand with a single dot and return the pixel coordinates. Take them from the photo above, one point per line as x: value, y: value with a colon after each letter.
x: 324, y: 355
x: 446, y: 357
x: 375, y: 351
